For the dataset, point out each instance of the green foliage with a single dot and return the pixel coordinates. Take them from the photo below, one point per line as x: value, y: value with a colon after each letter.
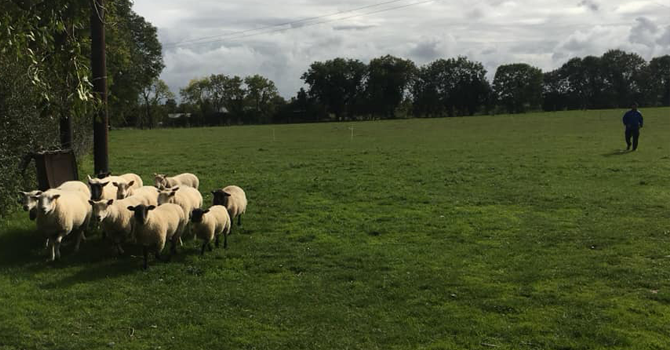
x: 220, y: 100
x: 450, y: 87
x: 659, y: 72
x: 445, y: 233
x: 337, y: 84
x: 518, y: 87
x: 388, y: 83
x: 134, y: 63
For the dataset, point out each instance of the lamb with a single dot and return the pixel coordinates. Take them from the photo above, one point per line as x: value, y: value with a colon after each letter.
x: 186, y: 197
x: 29, y: 202
x: 234, y: 199
x: 125, y: 189
x: 153, y: 226
x: 209, y: 223
x: 186, y: 179
x: 148, y: 194
x: 114, y: 219
x: 29, y: 199
x: 60, y: 213
x: 103, y: 188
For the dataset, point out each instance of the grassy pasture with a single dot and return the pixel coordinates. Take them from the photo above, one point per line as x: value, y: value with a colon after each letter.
x: 506, y: 232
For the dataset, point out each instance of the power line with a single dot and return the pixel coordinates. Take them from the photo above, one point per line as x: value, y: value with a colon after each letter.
x: 303, y: 26
x: 282, y: 24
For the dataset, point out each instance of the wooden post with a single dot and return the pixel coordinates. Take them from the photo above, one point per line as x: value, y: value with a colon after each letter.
x: 99, y: 70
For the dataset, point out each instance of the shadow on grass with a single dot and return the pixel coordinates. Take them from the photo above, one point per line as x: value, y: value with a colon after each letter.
x: 618, y: 152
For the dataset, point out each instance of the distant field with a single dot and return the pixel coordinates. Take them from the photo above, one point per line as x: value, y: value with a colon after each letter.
x: 508, y: 232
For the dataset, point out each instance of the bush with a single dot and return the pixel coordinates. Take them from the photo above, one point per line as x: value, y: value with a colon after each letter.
x: 25, y: 129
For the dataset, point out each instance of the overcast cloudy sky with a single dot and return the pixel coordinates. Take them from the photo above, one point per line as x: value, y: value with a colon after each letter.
x: 544, y: 33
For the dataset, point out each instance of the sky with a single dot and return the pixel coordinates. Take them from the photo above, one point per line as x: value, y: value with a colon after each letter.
x: 280, y: 39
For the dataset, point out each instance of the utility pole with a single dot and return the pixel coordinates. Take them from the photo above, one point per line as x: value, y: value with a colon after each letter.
x: 99, y: 69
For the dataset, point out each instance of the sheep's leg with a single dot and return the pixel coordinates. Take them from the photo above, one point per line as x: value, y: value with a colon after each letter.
x: 80, y: 237
x: 225, y: 241
x: 173, y: 246
x: 46, y: 244
x: 239, y: 220
x: 120, y: 249
x: 217, y: 241
x: 52, y: 243
x: 145, y: 251
x: 202, y: 250
x: 58, y: 242
x: 209, y: 246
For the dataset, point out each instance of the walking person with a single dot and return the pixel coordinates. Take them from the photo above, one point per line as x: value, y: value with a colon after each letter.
x: 633, y: 122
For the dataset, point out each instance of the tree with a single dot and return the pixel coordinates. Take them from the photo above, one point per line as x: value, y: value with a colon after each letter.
x: 152, y: 96
x: 389, y: 81
x: 624, y: 77
x: 261, y: 99
x: 338, y: 84
x: 659, y: 80
x: 518, y: 87
x: 453, y: 87
x: 134, y: 61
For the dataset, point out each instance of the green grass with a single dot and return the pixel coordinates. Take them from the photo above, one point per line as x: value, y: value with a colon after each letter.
x: 507, y: 232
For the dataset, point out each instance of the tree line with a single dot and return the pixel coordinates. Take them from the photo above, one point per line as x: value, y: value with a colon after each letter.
x: 391, y: 87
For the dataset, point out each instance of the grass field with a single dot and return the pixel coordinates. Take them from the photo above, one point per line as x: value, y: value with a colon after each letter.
x: 506, y: 232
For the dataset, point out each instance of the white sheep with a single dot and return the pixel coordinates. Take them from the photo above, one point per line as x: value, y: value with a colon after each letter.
x: 59, y: 213
x: 211, y: 223
x: 148, y: 194
x: 125, y: 189
x: 186, y: 197
x: 153, y: 226
x: 29, y: 199
x: 234, y: 199
x: 103, y: 188
x: 186, y: 179
x: 29, y: 202
x: 114, y: 219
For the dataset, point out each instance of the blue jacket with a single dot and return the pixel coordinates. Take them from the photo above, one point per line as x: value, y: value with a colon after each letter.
x: 633, y: 120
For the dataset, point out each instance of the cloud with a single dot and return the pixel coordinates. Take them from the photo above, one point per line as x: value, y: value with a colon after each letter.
x: 590, y: 4
x: 543, y: 33
x: 643, y: 32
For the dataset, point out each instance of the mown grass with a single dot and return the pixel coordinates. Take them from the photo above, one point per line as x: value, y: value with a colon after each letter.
x: 506, y: 232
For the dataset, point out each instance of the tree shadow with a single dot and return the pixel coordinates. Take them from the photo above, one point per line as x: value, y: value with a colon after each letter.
x: 618, y: 152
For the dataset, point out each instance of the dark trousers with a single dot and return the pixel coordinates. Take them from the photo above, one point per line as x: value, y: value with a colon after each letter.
x: 634, y: 134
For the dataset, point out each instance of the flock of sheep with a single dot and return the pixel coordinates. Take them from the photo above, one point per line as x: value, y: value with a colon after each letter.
x: 128, y: 211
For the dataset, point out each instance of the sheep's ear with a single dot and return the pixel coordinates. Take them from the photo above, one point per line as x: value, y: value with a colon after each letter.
x: 226, y: 194
x: 131, y: 208
x: 56, y: 196
x: 115, y: 184
x: 151, y: 207
x: 175, y: 189
x: 205, y: 211
x: 89, y: 177
x: 103, y: 184
x: 110, y: 202
x: 91, y: 202
x: 38, y: 193
x: 214, y: 192
x: 172, y: 193
x: 131, y: 183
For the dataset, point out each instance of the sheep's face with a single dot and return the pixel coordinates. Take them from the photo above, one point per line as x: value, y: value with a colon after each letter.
x: 220, y: 198
x: 123, y: 189
x: 29, y: 199
x: 100, y: 209
x: 141, y: 213
x: 96, y: 187
x: 197, y: 214
x: 46, y: 203
x: 29, y: 202
x: 160, y: 180
x: 167, y: 195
